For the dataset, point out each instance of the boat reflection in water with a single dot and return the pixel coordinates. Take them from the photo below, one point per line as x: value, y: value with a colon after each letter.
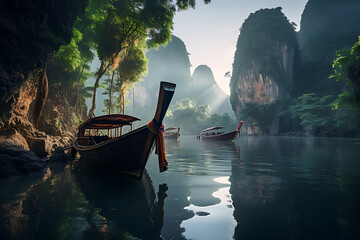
x: 209, y: 197
x: 130, y: 205
x: 227, y: 150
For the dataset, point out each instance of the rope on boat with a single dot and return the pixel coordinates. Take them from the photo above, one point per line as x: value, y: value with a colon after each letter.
x: 155, y: 128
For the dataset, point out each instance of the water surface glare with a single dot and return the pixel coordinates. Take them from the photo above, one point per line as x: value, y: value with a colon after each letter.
x: 255, y: 188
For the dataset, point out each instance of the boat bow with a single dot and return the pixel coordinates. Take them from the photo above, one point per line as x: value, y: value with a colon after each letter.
x: 166, y: 93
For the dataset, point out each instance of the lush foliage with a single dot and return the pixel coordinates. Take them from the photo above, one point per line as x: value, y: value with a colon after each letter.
x: 116, y: 30
x: 109, y: 87
x: 347, y: 67
x: 69, y: 55
x: 126, y: 23
x: 131, y: 69
x: 316, y: 114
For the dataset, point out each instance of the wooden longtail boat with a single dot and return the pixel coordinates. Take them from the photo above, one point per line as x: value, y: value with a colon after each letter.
x: 128, y: 153
x: 217, y: 133
x: 172, y: 133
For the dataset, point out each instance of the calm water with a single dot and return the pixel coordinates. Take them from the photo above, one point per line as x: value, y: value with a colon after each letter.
x: 257, y: 188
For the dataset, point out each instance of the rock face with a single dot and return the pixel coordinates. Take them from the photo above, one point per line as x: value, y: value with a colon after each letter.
x: 15, y: 162
x: 206, y: 91
x: 263, y: 63
x: 40, y: 147
x: 11, y: 136
x: 326, y: 27
x: 31, y: 33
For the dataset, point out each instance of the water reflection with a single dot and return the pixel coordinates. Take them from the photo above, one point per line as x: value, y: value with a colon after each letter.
x: 259, y: 188
x: 172, y: 143
x: 206, y: 207
x: 82, y: 204
x: 212, y: 221
x: 286, y: 189
x: 13, y: 197
x: 45, y: 210
x: 128, y: 206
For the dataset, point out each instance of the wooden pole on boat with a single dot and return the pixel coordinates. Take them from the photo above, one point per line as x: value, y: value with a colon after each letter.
x: 134, y: 104
x: 238, y: 130
x: 166, y: 93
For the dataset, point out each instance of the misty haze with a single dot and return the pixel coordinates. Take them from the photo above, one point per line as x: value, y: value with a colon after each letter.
x: 180, y: 119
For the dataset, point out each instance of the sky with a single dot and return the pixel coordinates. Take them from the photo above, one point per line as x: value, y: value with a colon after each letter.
x: 210, y: 32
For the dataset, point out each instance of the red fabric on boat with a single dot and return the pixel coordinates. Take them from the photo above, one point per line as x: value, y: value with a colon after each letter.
x: 160, y: 147
x: 237, y: 130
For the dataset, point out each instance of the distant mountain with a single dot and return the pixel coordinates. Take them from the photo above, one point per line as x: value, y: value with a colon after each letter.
x: 170, y: 63
x: 206, y: 91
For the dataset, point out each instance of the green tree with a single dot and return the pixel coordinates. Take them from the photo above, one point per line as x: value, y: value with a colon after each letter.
x: 131, y: 69
x: 315, y: 113
x: 347, y: 68
x: 69, y: 55
x: 128, y: 22
x: 187, y: 115
x: 220, y: 120
x: 109, y: 87
x: 74, y: 57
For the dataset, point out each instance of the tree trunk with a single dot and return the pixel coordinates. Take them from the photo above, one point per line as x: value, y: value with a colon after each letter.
x: 122, y: 91
x: 123, y: 103
x: 99, y: 74
x: 110, y: 91
x: 41, y: 96
x: 81, y: 73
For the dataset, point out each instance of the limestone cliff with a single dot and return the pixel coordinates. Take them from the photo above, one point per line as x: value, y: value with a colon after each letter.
x: 263, y: 63
x: 31, y: 33
x: 326, y: 27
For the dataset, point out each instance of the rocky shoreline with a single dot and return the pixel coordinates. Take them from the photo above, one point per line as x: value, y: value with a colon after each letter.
x: 16, y: 162
x: 23, y: 149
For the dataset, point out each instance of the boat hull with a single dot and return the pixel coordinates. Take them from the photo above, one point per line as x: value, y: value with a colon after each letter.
x: 220, y: 137
x: 126, y: 154
x: 174, y: 136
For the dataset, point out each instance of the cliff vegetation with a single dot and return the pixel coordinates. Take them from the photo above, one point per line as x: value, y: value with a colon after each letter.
x: 319, y: 95
x: 263, y: 65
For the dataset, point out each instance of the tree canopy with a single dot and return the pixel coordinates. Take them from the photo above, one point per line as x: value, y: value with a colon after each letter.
x: 347, y: 68
x: 112, y: 28
x: 127, y: 22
